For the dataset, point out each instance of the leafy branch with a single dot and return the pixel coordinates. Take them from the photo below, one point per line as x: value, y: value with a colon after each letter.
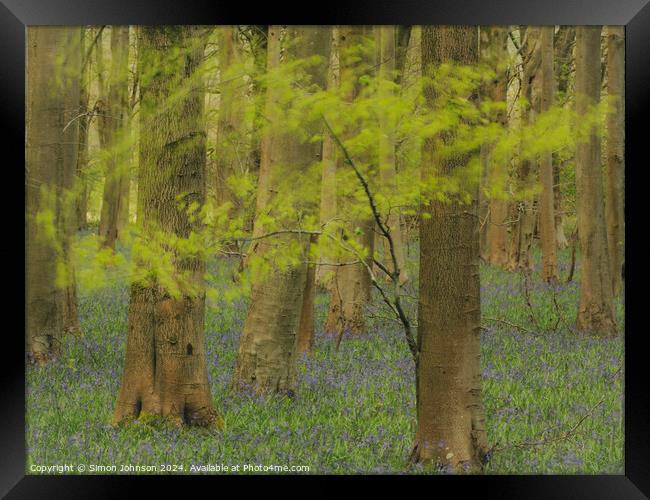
x: 395, y: 301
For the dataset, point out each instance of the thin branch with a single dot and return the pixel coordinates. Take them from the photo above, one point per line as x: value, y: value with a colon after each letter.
x: 395, y: 305
x: 560, y: 437
x: 92, y: 46
x: 278, y: 232
x: 513, y: 325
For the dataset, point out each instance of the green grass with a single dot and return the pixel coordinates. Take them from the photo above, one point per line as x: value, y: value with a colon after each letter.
x: 355, y: 409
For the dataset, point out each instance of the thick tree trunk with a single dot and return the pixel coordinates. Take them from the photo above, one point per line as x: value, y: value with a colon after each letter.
x: 267, y: 350
x: 165, y: 371
x: 387, y: 168
x: 547, y: 206
x: 54, y: 64
x: 615, y: 214
x: 451, y: 422
x: 113, y: 116
x: 350, y: 288
x: 596, y: 310
x: 522, y: 231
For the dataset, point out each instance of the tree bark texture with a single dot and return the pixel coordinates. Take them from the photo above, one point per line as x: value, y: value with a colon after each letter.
x: 450, y: 415
x: 165, y: 371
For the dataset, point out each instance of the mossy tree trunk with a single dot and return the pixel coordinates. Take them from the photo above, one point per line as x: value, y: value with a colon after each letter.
x: 450, y: 416
x: 165, y: 371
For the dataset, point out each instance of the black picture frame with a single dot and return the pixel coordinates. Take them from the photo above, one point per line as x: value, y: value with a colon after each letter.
x: 15, y: 15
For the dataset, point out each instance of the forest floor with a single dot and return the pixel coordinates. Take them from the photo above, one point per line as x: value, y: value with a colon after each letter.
x: 553, y: 398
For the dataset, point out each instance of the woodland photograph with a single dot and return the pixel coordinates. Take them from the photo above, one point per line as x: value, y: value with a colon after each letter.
x: 334, y: 249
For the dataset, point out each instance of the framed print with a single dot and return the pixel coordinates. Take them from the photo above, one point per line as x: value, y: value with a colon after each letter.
x: 377, y: 239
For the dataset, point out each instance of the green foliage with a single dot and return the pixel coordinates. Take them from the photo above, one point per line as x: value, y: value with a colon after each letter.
x: 456, y: 120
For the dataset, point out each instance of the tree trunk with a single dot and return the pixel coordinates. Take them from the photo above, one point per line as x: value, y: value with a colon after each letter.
x: 560, y: 236
x: 496, y: 231
x: 563, y: 49
x: 350, y: 289
x: 450, y: 415
x: 258, y: 95
x: 266, y: 144
x: 123, y: 217
x: 484, y: 156
x: 84, y: 123
x: 230, y: 136
x: 331, y: 158
x: 113, y: 115
x: 387, y: 168
x: 411, y: 148
x: 523, y: 228
x: 165, y: 371
x: 267, y: 350
x: 596, y: 310
x: 305, y: 337
x: 67, y: 215
x: 547, y: 207
x: 615, y: 214
x: 484, y: 203
x: 54, y: 64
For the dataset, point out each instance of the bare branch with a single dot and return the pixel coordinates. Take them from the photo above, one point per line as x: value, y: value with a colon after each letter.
x: 395, y: 304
